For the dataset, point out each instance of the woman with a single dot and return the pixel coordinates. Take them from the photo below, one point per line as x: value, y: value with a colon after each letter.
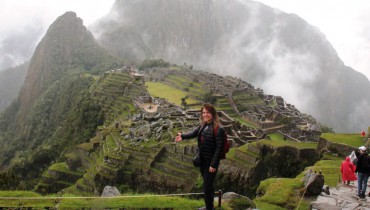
x: 348, y: 171
x: 210, y: 147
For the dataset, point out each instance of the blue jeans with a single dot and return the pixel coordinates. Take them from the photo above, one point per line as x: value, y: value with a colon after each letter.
x: 362, y: 183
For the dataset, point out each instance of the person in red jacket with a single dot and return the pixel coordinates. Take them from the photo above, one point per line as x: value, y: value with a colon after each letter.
x: 348, y: 171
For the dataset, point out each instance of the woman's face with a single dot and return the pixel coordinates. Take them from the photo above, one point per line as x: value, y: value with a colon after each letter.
x: 207, y: 116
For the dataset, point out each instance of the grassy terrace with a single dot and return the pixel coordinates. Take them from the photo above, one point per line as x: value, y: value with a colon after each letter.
x: 20, y: 199
x: 62, y: 167
x: 172, y: 94
x: 281, y: 193
x: 242, y: 98
x: 343, y: 138
x: 245, y: 122
x: 330, y: 167
x: 195, y: 88
x: 277, y: 140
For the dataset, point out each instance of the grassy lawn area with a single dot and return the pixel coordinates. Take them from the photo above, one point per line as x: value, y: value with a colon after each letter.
x: 277, y: 140
x: 31, y: 199
x: 283, y: 193
x: 28, y: 199
x: 173, y: 95
x: 344, y: 138
x: 330, y: 168
x: 280, y: 193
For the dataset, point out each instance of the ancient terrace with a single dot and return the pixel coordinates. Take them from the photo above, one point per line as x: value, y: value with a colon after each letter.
x: 135, y: 148
x: 265, y: 111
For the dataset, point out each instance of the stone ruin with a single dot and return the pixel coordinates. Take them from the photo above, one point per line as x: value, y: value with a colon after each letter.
x: 160, y: 116
x: 268, y: 118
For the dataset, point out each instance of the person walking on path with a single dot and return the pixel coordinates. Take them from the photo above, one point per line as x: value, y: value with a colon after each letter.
x: 210, y: 145
x: 363, y: 171
x: 348, y: 171
x: 363, y: 135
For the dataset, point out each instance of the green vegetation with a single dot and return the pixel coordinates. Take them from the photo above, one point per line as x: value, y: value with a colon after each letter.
x: 148, y: 63
x: 348, y: 139
x: 329, y: 167
x: 283, y: 193
x: 245, y: 101
x: 173, y: 95
x: 245, y: 122
x: 73, y: 109
x: 31, y: 199
x: 280, y: 192
x: 280, y: 143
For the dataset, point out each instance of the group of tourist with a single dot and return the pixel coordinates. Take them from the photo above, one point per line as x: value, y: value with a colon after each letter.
x: 358, y: 162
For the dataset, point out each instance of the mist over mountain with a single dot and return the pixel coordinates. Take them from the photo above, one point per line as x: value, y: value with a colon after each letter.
x: 278, y: 52
x: 11, y: 81
x: 16, y: 48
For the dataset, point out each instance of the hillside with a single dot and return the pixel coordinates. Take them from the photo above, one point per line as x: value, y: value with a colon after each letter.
x: 53, y: 104
x: 133, y: 149
x: 11, y: 81
x: 85, y: 119
x: 278, y: 52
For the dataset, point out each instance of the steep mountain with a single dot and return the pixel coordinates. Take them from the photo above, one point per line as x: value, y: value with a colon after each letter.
x: 54, y: 103
x: 134, y: 148
x: 11, y: 81
x: 83, y: 121
x: 279, y: 52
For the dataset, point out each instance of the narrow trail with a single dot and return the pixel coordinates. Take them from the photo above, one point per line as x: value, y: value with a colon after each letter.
x: 343, y: 197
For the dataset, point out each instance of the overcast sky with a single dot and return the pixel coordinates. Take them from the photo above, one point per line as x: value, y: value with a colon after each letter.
x: 345, y: 23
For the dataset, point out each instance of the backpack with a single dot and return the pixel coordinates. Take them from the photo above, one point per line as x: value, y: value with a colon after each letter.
x: 366, y: 162
x: 226, y: 143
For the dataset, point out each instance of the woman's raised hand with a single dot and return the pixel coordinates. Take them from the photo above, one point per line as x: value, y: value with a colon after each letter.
x: 178, y: 137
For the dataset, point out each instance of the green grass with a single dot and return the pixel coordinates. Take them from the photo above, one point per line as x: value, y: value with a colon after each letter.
x: 63, y: 168
x: 267, y: 206
x: 31, y: 199
x: 348, y: 139
x: 280, y: 192
x: 280, y: 143
x: 329, y: 167
x: 172, y: 94
x: 276, y: 136
x: 245, y: 122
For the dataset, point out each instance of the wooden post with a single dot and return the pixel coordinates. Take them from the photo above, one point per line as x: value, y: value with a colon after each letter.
x: 219, y: 198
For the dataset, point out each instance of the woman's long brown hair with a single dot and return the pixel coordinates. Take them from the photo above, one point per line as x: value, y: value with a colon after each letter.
x: 211, y: 109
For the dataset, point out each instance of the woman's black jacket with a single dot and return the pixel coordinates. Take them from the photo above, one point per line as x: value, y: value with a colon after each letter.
x: 363, y: 164
x: 210, y: 145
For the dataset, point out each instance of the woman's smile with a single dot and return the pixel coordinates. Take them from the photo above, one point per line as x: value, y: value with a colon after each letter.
x: 207, y: 116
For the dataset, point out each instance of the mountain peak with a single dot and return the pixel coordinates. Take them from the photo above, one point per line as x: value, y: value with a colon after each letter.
x: 59, y: 50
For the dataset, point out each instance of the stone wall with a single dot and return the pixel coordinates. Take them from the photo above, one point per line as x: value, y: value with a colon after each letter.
x: 336, y: 148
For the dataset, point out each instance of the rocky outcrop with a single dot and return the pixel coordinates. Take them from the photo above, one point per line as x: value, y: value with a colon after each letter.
x: 244, y: 177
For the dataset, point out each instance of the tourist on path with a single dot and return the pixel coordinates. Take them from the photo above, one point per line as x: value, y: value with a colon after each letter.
x: 348, y: 171
x: 210, y: 147
x: 363, y: 171
x: 363, y: 135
